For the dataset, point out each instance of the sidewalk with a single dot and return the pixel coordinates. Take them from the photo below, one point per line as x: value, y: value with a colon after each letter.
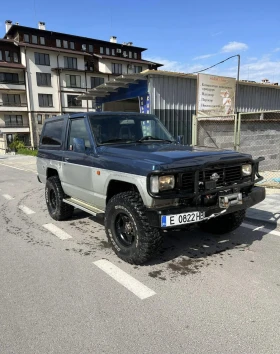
x: 268, y: 210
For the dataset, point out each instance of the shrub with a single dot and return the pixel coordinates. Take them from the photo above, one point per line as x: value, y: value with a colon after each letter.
x: 24, y: 151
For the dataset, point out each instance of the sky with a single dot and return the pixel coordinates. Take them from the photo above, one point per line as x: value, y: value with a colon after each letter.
x: 185, y: 36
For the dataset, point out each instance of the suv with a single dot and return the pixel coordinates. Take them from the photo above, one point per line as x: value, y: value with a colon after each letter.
x: 128, y: 167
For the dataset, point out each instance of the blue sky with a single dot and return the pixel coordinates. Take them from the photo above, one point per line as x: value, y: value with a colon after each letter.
x: 184, y: 35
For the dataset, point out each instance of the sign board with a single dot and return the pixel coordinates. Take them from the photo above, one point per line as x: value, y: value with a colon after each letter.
x: 144, y: 103
x: 215, y: 95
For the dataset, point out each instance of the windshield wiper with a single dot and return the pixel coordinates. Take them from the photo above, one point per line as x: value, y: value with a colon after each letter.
x: 152, y: 138
x: 116, y: 141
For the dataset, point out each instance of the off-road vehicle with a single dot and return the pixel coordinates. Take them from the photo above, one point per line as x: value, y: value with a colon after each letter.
x: 128, y: 167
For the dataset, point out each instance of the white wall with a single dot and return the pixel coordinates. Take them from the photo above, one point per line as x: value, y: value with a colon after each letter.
x: 105, y: 66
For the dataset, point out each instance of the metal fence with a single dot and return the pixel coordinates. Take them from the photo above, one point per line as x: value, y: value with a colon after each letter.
x: 255, y: 133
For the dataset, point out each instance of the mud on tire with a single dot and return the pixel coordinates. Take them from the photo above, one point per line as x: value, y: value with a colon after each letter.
x: 54, y: 195
x: 223, y: 224
x: 128, y: 230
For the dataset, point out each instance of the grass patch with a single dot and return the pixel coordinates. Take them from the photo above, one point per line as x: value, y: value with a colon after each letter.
x: 25, y: 151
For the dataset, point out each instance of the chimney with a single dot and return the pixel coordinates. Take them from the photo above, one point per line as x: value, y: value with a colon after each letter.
x: 42, y: 25
x: 17, y: 23
x: 113, y: 39
x: 8, y: 24
x: 130, y: 43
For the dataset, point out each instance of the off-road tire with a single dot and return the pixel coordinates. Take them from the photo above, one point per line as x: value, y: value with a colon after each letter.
x: 223, y: 224
x: 54, y: 195
x: 147, y: 239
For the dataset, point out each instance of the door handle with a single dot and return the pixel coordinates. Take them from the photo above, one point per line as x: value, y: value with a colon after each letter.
x: 66, y: 158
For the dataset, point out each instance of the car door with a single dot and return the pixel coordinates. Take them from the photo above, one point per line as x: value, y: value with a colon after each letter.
x: 77, y: 167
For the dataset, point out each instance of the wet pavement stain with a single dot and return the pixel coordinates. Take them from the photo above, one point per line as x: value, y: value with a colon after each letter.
x: 186, y: 266
x: 155, y: 273
x: 105, y: 244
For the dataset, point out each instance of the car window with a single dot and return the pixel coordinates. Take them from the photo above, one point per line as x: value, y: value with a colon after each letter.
x: 78, y: 130
x: 52, y: 133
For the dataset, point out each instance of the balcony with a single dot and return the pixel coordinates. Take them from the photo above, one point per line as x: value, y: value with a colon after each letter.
x: 13, y: 106
x: 9, y: 128
x: 12, y: 85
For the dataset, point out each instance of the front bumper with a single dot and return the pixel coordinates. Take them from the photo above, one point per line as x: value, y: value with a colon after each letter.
x: 256, y: 195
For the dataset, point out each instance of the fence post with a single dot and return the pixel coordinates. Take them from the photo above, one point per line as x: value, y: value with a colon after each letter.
x: 238, y: 131
x: 194, y: 130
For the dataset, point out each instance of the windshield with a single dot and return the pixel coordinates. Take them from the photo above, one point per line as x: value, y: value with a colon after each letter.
x: 128, y: 129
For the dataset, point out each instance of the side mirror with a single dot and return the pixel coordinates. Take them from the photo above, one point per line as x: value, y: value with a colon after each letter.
x: 180, y: 139
x: 79, y: 145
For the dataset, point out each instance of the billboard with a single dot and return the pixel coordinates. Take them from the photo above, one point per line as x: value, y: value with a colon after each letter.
x: 215, y: 95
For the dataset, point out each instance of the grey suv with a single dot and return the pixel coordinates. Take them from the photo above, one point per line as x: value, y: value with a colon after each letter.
x: 128, y: 167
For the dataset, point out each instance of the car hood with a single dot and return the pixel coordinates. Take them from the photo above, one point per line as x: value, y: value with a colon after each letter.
x: 165, y: 156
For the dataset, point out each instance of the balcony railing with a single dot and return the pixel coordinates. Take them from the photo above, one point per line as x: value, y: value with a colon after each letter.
x: 14, y: 125
x: 10, y: 82
x: 12, y: 104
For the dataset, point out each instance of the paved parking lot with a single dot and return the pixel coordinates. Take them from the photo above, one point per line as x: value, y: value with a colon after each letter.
x: 64, y: 291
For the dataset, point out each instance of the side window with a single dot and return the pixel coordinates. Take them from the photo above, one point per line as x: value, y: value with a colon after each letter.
x: 78, y: 130
x: 52, y: 133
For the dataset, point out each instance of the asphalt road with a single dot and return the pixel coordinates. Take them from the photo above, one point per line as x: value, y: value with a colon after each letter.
x: 209, y: 294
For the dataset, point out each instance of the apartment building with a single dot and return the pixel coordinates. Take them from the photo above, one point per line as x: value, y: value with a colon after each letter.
x: 42, y: 72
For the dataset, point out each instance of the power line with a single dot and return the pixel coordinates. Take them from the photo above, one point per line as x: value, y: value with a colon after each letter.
x: 210, y: 67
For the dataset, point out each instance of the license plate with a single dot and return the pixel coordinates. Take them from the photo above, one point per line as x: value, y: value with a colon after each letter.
x: 181, y: 219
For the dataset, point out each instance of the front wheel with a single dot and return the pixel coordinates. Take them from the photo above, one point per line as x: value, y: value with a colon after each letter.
x: 128, y: 230
x: 223, y: 224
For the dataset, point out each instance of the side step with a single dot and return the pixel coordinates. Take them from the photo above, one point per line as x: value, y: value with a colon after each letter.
x: 84, y: 206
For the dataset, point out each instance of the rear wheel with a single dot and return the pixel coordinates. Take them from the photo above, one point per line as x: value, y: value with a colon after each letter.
x: 223, y: 224
x: 54, y: 194
x: 128, y: 230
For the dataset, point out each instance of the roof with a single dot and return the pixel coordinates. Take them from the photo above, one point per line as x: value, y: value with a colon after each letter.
x: 16, y: 28
x: 4, y: 64
x: 61, y: 50
x: 130, y: 60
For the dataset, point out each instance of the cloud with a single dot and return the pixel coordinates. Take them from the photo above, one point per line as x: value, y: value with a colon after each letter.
x: 216, y: 34
x: 233, y: 47
x: 176, y: 66
x: 276, y: 50
x: 205, y: 56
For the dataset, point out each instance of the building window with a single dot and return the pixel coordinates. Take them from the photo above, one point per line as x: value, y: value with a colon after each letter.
x: 90, y: 48
x: 72, y: 45
x: 43, y: 79
x: 65, y: 44
x: 15, y: 57
x: 124, y: 53
x: 8, y: 55
x: 135, y: 56
x: 34, y: 39
x: 1, y: 56
x: 96, y: 81
x: 42, y: 59
x: 42, y: 40
x: 26, y: 38
x: 72, y: 102
x: 58, y: 43
x: 137, y: 69
x: 101, y: 50
x: 107, y: 51
x: 39, y: 118
x: 11, y: 100
x: 47, y: 116
x: 70, y: 63
x: 130, y: 54
x: 45, y: 100
x: 73, y: 80
x: 113, y: 51
x: 116, y: 68
x: 9, y: 78
x: 13, y: 120
x: 84, y: 47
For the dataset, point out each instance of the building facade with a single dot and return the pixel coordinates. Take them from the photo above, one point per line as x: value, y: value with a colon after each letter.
x: 42, y: 73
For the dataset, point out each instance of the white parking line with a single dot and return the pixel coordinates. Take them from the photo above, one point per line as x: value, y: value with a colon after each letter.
x: 133, y: 285
x: 57, y: 231
x: 26, y: 210
x: 17, y: 168
x: 8, y: 197
x: 261, y: 228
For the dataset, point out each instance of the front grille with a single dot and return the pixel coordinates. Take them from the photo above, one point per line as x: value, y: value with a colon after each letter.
x: 227, y: 175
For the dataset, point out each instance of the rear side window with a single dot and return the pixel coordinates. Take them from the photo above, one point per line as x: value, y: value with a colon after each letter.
x: 52, y: 133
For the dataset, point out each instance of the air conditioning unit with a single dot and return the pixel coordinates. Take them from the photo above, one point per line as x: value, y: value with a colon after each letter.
x: 118, y: 50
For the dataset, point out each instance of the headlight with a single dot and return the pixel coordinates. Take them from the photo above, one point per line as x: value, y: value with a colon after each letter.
x: 162, y: 183
x: 246, y: 170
